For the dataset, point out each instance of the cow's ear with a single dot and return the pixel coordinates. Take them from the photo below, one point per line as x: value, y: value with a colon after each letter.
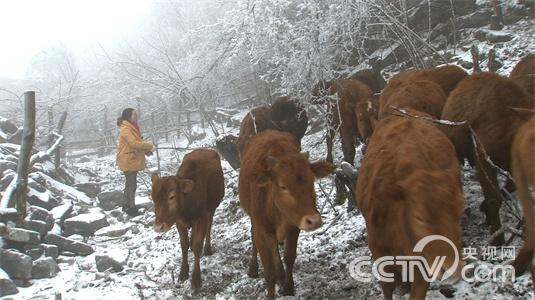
x: 155, y: 176
x: 523, y: 113
x: 322, y: 168
x: 185, y: 185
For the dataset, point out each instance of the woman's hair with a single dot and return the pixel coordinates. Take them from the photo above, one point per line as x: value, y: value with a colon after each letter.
x: 126, y: 115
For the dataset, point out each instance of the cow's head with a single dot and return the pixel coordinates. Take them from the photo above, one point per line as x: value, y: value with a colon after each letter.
x: 167, y: 195
x: 290, y: 179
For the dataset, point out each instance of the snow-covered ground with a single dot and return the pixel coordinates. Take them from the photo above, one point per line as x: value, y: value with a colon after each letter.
x: 152, y: 260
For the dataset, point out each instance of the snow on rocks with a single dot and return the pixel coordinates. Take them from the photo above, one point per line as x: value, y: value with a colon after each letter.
x: 69, y: 245
x: 113, y: 261
x: 62, y: 212
x: 7, y: 286
x: 45, y: 267
x: 85, y: 224
x: 17, y: 265
x: 111, y: 199
x: 91, y: 189
x: 114, y: 230
x: 23, y: 236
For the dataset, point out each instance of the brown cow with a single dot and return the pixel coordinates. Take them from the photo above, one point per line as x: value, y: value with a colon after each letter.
x: 344, y: 115
x: 276, y: 188
x: 288, y: 115
x: 421, y: 95
x: 409, y: 187
x: 484, y: 101
x: 446, y: 76
x: 523, y: 171
x: 257, y: 120
x: 524, y: 73
x: 189, y: 200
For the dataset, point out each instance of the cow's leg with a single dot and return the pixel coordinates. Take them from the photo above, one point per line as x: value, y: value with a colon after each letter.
x: 290, y: 252
x: 330, y: 137
x: 333, y: 122
x: 347, y: 135
x: 197, y: 235
x: 487, y: 177
x: 267, y: 243
x: 208, y: 244
x: 388, y: 289
x: 418, y: 287
x: 278, y: 266
x: 253, y: 264
x: 184, y: 245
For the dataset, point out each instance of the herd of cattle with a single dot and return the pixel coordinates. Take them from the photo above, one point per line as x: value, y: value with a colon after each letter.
x: 409, y: 184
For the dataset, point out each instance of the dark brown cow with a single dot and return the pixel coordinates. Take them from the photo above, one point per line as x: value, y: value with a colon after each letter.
x: 409, y: 187
x: 276, y: 188
x: 189, y: 200
x: 285, y: 114
x: 421, y: 95
x: 446, y: 76
x: 257, y: 120
x: 344, y: 115
x: 484, y: 101
x: 524, y: 73
x: 370, y: 77
x: 288, y: 115
x: 523, y: 171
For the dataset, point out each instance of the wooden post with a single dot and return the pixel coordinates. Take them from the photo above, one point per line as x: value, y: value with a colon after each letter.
x: 153, y: 126
x: 165, y: 127
x: 59, y: 129
x: 50, y: 124
x: 475, y: 58
x: 188, y: 121
x: 492, y: 64
x: 23, y: 166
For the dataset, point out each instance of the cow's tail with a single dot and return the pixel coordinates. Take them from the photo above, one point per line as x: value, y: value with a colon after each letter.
x: 524, y: 259
x: 434, y: 216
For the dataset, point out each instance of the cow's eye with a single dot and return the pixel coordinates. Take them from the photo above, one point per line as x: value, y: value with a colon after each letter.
x: 284, y: 188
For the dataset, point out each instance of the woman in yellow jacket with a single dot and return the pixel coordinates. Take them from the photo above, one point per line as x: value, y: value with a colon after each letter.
x: 131, y: 152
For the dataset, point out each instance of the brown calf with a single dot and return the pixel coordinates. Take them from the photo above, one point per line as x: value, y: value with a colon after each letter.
x: 344, y: 115
x: 484, y: 101
x: 409, y: 187
x: 421, y: 95
x: 524, y: 73
x: 276, y: 188
x: 189, y: 200
x: 446, y: 76
x: 523, y: 171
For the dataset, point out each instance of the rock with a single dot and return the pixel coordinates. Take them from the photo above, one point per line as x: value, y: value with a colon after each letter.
x: 23, y: 235
x: 38, y: 186
x: 51, y: 250
x: 44, y: 268
x: 499, y: 36
x: 143, y: 202
x: 17, y: 265
x: 114, y: 231
x: 34, y: 251
x: 6, y: 179
x: 39, y: 214
x: 492, y: 36
x: 62, y: 212
x: 465, y: 63
x: 41, y: 199
x: 106, y: 261
x: 8, y: 214
x: 7, y: 165
x: 7, y: 287
x: 56, y: 230
x: 91, y: 189
x: 85, y: 224
x: 35, y: 225
x: 111, y: 200
x: 65, y: 244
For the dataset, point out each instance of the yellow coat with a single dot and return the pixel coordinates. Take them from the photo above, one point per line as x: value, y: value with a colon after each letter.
x: 131, y: 148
